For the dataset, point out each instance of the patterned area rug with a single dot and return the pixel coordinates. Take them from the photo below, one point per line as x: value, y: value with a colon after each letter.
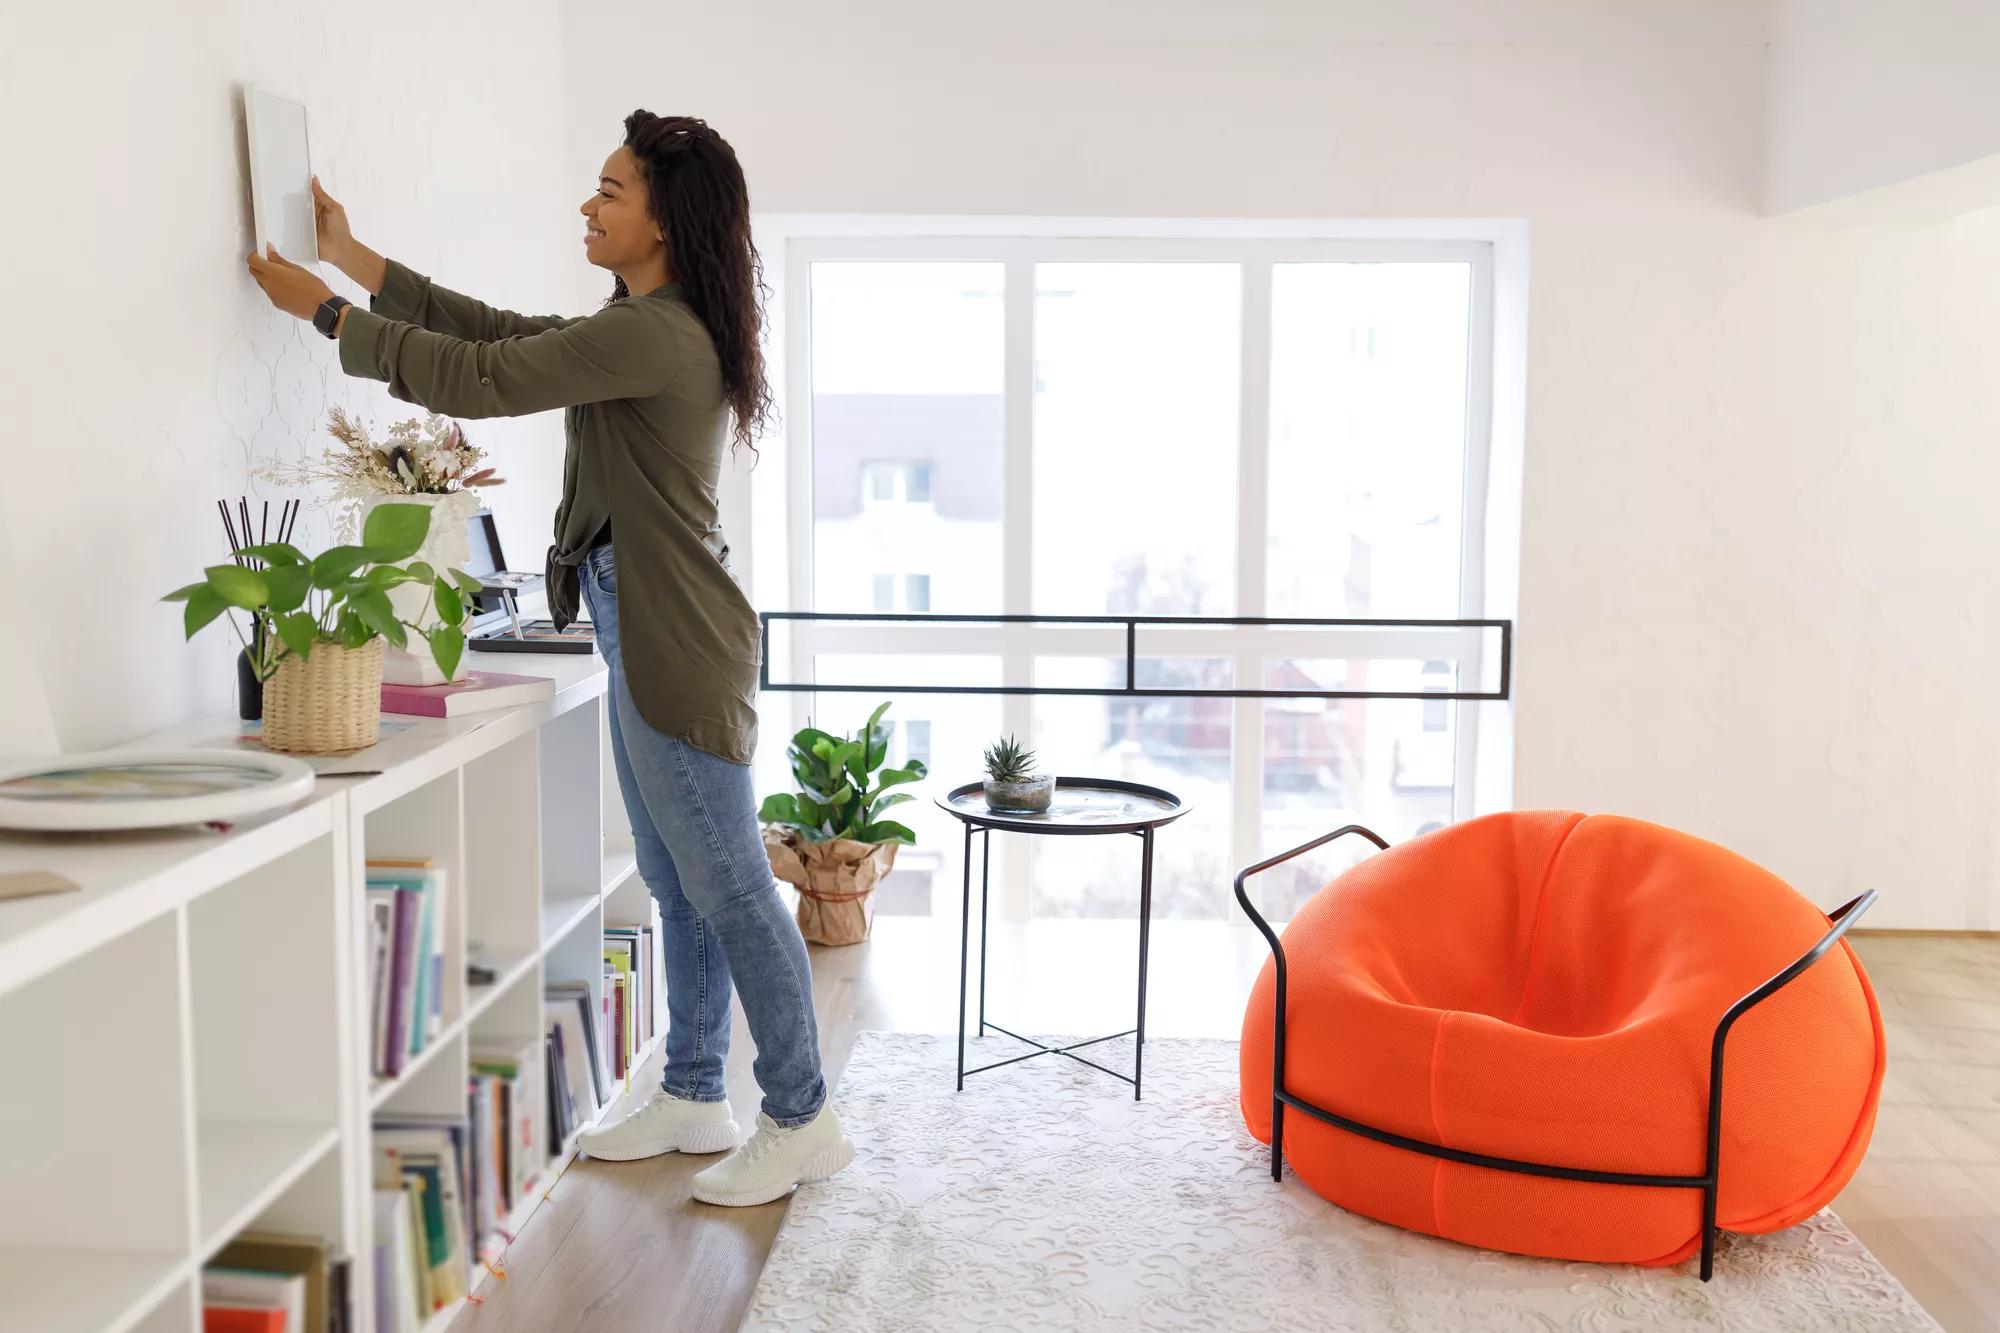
x: 1043, y: 1197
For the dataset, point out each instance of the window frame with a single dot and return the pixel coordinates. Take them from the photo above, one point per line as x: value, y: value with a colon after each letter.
x: 878, y: 240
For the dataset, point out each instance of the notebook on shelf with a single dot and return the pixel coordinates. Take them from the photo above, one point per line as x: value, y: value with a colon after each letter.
x: 477, y: 693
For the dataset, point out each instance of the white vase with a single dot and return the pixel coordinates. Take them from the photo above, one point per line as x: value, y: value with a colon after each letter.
x: 447, y: 547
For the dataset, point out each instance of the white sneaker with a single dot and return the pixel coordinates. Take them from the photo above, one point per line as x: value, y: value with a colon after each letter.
x: 665, y: 1123
x: 774, y: 1160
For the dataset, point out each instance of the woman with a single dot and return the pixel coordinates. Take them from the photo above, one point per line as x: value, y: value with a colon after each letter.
x: 649, y: 387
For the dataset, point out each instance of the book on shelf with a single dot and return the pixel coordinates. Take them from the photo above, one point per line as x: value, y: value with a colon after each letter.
x: 271, y: 1262
x: 517, y: 1067
x: 381, y: 906
x: 478, y: 692
x: 406, y: 981
x: 592, y: 1048
x: 401, y: 1294
x: 242, y: 1319
x: 429, y: 1155
x: 237, y: 1300
x: 568, y: 1022
x: 642, y: 967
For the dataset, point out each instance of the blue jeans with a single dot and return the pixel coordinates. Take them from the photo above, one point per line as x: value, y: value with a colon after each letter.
x: 694, y: 823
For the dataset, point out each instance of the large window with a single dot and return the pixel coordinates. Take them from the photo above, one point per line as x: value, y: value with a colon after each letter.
x: 1200, y: 428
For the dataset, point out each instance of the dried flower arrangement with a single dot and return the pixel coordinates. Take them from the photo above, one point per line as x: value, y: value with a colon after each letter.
x: 428, y: 457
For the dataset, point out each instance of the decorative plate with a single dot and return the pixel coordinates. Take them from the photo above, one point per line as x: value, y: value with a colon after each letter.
x: 130, y: 789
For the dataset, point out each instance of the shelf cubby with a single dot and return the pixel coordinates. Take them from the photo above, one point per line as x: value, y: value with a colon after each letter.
x: 266, y: 1047
x: 94, y: 1057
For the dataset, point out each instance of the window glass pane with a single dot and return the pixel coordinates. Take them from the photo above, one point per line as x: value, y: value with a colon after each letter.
x: 919, y: 586
x: 907, y: 375
x: 1329, y: 762
x: 1136, y: 372
x: 885, y: 592
x: 1182, y: 745
x: 926, y: 876
x: 1367, y: 467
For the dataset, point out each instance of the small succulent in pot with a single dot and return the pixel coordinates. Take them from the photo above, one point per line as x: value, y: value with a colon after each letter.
x: 1012, y: 785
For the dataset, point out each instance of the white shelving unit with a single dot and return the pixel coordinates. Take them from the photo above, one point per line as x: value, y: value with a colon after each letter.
x: 183, y: 1043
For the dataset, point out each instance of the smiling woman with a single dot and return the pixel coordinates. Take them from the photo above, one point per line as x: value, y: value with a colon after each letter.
x: 653, y: 387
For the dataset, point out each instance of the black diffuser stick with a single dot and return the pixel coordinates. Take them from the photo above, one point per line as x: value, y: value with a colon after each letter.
x: 243, y: 509
x: 264, y: 528
x: 235, y: 548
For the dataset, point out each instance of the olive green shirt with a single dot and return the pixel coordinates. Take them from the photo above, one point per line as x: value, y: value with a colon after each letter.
x: 646, y: 428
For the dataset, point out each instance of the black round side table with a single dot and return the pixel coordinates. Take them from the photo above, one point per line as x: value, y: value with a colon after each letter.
x: 1083, y: 807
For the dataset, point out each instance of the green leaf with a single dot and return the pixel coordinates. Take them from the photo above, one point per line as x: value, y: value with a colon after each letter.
x: 842, y: 797
x: 393, y: 532
x: 372, y: 606
x: 333, y: 565
x: 876, y: 736
x: 884, y: 830
x: 276, y: 554
x: 879, y: 806
x: 814, y: 811
x: 203, y: 605
x: 298, y: 630
x: 467, y: 584
x: 450, y: 607
x: 353, y: 632
x: 386, y: 576
x: 890, y: 777
x: 447, y: 646
x: 420, y: 571
x: 238, y: 586
x: 781, y: 808
x: 288, y: 586
x: 182, y: 594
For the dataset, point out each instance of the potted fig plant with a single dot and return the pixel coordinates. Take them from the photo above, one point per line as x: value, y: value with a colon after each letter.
x: 828, y: 839
x: 1012, y: 785
x: 318, y: 625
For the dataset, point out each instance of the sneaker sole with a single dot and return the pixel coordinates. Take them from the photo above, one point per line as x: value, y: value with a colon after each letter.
x: 828, y: 1162
x: 718, y: 1137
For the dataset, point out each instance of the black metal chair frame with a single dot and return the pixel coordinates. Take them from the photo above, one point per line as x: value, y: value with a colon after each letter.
x: 1842, y: 918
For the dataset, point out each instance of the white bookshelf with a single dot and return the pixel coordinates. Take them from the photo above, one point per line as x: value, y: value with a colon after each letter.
x: 185, y: 1040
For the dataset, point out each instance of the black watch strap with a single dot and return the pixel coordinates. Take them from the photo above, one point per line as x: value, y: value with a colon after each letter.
x: 328, y: 314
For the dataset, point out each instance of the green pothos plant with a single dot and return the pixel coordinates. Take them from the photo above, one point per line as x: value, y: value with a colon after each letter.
x: 339, y: 597
x: 843, y: 786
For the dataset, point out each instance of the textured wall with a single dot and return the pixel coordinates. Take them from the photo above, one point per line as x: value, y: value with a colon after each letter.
x: 1755, y: 570
x: 145, y: 370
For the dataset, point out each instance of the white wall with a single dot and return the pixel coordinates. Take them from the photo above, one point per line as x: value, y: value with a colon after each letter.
x: 1866, y: 95
x: 144, y: 368
x: 1755, y: 599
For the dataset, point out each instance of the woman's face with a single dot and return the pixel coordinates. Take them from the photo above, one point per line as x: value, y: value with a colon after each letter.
x: 620, y: 233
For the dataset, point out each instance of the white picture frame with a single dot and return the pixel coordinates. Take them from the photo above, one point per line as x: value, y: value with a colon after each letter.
x: 281, y: 201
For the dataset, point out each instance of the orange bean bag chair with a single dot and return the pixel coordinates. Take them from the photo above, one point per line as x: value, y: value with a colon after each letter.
x: 1544, y: 986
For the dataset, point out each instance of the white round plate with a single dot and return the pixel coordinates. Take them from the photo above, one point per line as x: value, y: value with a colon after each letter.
x: 128, y: 789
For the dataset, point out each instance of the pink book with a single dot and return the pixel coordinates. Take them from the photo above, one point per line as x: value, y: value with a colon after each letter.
x: 478, y: 692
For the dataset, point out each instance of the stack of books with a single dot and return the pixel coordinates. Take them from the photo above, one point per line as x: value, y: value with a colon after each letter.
x: 406, y: 981
x: 509, y: 1110
x: 266, y: 1282
x: 424, y: 1190
x: 578, y: 1082
x: 476, y: 692
x: 630, y: 985
x: 444, y: 1185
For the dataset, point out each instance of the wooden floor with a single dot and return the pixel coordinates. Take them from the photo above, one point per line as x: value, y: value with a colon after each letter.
x: 620, y: 1248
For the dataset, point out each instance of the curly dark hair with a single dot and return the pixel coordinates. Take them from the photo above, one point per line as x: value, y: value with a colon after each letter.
x: 698, y: 193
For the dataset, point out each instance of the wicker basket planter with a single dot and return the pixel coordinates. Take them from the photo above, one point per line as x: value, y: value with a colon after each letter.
x: 327, y: 704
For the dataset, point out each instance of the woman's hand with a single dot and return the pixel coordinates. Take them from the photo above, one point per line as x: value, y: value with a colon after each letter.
x: 335, y: 237
x: 294, y: 290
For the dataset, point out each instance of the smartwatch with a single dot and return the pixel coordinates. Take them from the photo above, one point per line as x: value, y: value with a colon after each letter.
x: 328, y: 314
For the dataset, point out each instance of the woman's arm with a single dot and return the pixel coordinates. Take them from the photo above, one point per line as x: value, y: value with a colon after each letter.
x: 400, y: 293
x: 622, y: 351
